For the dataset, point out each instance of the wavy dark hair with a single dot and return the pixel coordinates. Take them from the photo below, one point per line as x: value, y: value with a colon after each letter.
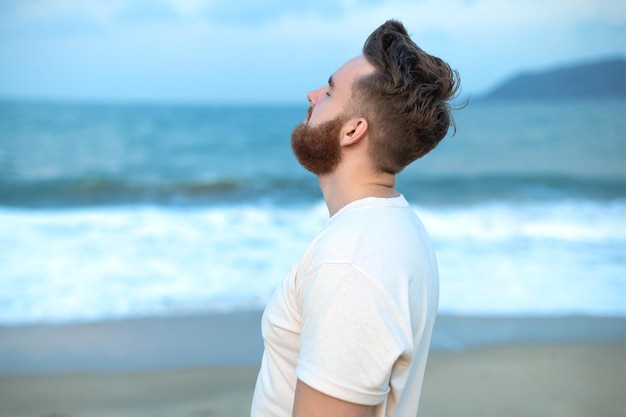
x: 406, y: 100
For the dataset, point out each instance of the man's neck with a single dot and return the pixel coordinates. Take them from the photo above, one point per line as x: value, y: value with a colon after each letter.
x: 340, y: 190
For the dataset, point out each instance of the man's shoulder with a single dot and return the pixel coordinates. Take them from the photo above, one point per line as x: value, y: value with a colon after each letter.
x: 368, y: 231
x: 375, y: 221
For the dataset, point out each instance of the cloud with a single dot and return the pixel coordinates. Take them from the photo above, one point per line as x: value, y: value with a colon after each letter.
x: 276, y: 50
x: 36, y: 11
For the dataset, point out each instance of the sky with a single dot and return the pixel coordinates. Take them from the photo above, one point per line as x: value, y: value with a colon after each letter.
x: 275, y: 51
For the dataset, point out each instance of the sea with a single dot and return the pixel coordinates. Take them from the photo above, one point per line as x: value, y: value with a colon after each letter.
x: 111, y: 211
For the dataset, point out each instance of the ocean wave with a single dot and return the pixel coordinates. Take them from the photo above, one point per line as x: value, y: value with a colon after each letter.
x: 101, y: 263
x: 451, y: 190
x: 104, y: 191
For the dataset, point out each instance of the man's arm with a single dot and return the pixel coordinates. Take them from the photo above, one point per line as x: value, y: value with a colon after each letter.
x: 309, y: 402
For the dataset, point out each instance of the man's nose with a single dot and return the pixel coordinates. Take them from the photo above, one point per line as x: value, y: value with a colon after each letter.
x: 314, y: 96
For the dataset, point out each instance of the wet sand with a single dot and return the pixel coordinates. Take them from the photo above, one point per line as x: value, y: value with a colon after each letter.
x: 207, y: 365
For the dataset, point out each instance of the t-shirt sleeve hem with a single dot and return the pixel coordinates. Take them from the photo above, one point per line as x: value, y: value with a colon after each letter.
x: 337, y: 390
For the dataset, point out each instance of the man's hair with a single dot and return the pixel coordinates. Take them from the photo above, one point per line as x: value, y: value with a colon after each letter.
x: 406, y: 100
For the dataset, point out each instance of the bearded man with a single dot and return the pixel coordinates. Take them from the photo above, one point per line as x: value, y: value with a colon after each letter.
x: 347, y: 333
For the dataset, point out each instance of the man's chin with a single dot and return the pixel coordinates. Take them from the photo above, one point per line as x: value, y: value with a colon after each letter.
x: 317, y: 147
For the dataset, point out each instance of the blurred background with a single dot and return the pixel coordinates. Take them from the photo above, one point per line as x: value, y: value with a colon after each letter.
x: 215, y: 51
x: 145, y: 165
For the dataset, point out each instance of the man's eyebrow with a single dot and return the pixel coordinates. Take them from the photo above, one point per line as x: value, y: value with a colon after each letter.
x: 331, y: 82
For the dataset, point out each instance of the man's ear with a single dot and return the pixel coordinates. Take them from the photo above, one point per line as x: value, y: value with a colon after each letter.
x: 354, y: 130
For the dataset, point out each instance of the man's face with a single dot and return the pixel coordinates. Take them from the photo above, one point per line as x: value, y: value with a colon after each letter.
x: 316, y: 142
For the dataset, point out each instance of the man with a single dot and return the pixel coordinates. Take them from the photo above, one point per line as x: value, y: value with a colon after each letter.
x: 347, y: 333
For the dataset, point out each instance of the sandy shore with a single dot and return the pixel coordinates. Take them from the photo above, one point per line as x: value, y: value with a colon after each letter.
x: 206, y: 367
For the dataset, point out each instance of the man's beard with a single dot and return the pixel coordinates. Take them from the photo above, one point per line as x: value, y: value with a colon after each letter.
x: 317, y: 148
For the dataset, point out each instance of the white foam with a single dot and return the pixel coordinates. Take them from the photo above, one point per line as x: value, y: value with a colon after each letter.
x: 93, y: 264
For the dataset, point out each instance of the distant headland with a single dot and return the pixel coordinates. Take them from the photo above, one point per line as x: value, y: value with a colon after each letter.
x: 601, y: 79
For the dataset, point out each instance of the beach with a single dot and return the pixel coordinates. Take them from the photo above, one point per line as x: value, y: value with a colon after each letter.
x: 140, y: 242
x: 207, y: 366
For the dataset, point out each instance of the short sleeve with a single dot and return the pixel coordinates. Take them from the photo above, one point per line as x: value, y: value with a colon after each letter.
x: 350, y: 335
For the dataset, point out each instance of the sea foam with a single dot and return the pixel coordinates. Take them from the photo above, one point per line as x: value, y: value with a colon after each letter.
x: 103, y: 263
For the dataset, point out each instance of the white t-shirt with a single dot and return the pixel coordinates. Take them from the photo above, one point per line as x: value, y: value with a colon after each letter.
x: 354, y: 317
